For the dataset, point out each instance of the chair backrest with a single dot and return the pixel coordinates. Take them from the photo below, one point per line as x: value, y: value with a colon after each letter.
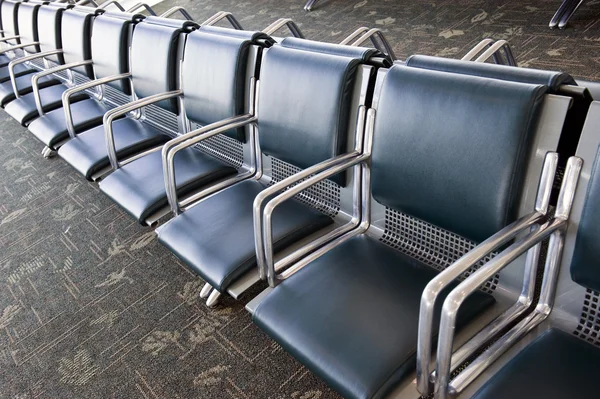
x: 305, y: 102
x: 215, y: 74
x: 155, y: 57
x: 8, y: 13
x: 451, y: 149
x: 111, y: 36
x: 552, y: 79
x: 27, y: 21
x: 49, y: 30
x: 76, y: 37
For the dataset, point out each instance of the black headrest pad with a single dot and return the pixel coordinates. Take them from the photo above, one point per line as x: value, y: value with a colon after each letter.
x: 552, y: 79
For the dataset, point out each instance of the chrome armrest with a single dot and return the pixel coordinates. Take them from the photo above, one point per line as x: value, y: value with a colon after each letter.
x: 172, y: 147
x: 297, y: 183
x: 36, y: 77
x: 354, y: 35
x: 18, y: 46
x: 379, y: 41
x: 66, y: 97
x: 114, y: 113
x: 455, y: 299
x: 142, y: 5
x: 333, y: 166
x: 5, y: 39
x: 12, y: 64
x: 108, y: 3
x: 179, y: 9
x: 477, y: 49
x: 470, y: 259
x: 222, y: 15
x: 555, y: 230
x: 280, y: 23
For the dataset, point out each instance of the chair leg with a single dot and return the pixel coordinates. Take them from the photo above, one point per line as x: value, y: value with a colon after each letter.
x: 206, y: 291
x: 568, y: 14
x: 309, y: 5
x: 567, y: 7
x: 213, y: 299
x: 48, y: 152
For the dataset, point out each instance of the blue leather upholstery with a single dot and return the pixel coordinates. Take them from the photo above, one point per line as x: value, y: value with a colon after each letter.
x: 552, y: 79
x: 24, y: 86
x: 214, y: 77
x: 9, y: 13
x: 139, y: 186
x: 464, y: 167
x: 362, y: 53
x: 352, y: 316
x: 51, y: 129
x: 76, y: 38
x: 20, y: 70
x: 154, y: 71
x: 305, y: 120
x: 586, y: 255
x: 28, y: 25
x: 49, y: 28
x: 23, y: 109
x: 216, y: 237
x: 87, y: 152
x: 556, y: 365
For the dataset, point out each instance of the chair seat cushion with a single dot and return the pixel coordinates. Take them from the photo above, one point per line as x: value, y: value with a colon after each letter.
x: 20, y: 70
x: 351, y: 316
x: 24, y: 87
x: 51, y: 129
x: 23, y: 109
x: 556, y: 365
x: 87, y: 152
x: 4, y: 60
x: 139, y: 186
x: 216, y: 237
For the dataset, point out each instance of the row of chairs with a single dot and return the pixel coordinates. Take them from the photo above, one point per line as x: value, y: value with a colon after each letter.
x: 389, y: 205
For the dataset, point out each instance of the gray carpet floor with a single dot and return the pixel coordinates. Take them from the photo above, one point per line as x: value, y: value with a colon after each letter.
x: 92, y: 306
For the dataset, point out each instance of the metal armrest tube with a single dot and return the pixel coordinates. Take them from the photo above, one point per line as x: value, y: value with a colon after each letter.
x: 547, y: 293
x: 271, y: 205
x: 222, y: 15
x: 455, y: 299
x: 108, y: 3
x: 289, y: 23
x: 39, y: 75
x: 352, y: 36
x: 66, y: 96
x: 179, y: 9
x: 5, y: 39
x: 14, y: 63
x: 142, y: 5
x: 454, y: 271
x: 295, y: 178
x: 477, y: 49
x: 114, y: 113
x: 383, y: 45
x: 493, y: 49
x: 18, y: 46
x: 171, y: 148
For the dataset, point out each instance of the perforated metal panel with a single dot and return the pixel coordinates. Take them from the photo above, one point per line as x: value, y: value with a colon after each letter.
x: 162, y: 119
x: 222, y: 147
x: 429, y: 244
x: 589, y: 322
x: 323, y: 196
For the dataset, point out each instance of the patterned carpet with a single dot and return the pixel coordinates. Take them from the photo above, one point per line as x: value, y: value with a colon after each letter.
x: 92, y: 306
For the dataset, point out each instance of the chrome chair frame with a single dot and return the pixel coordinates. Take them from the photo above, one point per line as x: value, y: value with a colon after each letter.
x: 288, y: 23
x: 553, y: 229
x: 494, y: 49
x: 378, y: 39
x: 468, y: 261
x: 124, y: 109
